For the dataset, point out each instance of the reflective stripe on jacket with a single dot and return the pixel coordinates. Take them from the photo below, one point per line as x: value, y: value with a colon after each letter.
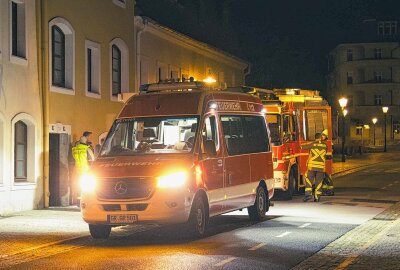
x: 317, y: 156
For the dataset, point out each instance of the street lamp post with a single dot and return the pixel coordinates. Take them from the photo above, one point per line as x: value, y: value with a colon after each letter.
x: 343, y: 104
x: 374, y: 120
x: 385, y: 110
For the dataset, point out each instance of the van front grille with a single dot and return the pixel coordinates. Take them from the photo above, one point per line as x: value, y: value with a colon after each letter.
x: 125, y: 188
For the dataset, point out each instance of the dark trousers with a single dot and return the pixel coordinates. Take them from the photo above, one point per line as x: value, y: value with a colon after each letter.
x: 314, y: 178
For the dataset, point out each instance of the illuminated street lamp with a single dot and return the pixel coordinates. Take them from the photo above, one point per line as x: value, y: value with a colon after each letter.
x: 374, y: 120
x: 385, y: 110
x: 343, y: 104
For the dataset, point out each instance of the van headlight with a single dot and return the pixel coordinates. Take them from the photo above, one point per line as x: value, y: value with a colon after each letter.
x: 88, y: 183
x: 173, y: 180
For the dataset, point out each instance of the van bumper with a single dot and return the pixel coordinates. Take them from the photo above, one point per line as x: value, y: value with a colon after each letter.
x: 164, y: 207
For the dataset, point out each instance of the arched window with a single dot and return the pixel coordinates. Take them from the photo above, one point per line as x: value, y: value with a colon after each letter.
x: 58, y: 56
x: 20, y: 151
x: 119, y: 68
x: 116, y: 70
x: 61, y: 56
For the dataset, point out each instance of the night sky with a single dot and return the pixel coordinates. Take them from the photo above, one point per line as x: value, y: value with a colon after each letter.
x: 286, y: 42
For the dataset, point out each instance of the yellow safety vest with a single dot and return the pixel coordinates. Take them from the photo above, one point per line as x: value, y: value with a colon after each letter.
x: 79, y: 152
x: 317, y: 156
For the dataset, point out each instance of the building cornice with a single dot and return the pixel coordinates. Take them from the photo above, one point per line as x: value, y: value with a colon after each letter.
x: 151, y: 26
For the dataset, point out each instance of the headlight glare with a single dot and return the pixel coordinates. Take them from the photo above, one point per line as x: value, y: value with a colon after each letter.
x: 88, y: 182
x: 172, y: 180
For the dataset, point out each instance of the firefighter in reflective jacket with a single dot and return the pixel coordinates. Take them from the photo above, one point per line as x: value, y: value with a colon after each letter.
x: 81, y: 153
x: 327, y: 186
x: 315, y: 168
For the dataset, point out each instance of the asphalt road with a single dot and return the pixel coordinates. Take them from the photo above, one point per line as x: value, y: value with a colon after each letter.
x: 293, y: 231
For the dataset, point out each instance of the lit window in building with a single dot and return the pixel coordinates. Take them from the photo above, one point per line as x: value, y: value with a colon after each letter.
x: 58, y: 56
x: 116, y: 70
x: 18, y: 32
x: 378, y: 53
x: 349, y: 77
x: 378, y: 100
x: 349, y: 55
x: 20, y: 152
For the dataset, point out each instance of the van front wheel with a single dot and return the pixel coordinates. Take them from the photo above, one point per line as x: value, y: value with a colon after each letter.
x: 258, y: 210
x: 198, y: 218
x: 99, y: 231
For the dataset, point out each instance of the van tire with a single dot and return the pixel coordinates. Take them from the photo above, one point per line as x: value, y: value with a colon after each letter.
x: 288, y: 194
x: 260, y: 207
x: 199, y: 217
x: 99, y: 231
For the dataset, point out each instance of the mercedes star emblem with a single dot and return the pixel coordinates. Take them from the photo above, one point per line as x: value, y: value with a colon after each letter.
x: 121, y: 188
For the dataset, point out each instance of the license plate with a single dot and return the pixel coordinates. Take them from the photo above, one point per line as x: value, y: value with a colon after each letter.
x: 121, y: 219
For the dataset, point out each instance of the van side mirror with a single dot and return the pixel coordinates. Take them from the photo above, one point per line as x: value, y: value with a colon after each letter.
x: 209, y: 148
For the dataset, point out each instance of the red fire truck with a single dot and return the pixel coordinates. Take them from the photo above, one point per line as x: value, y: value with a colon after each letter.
x: 293, y: 116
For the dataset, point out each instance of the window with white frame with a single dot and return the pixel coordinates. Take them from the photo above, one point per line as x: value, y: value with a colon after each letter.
x: 350, y: 77
x: 349, y: 55
x: 92, y: 68
x: 378, y: 76
x: 62, y: 56
x: 378, y: 53
x: 20, y: 151
x: 387, y: 28
x: 18, y: 28
x: 378, y: 100
x: 23, y: 148
x: 119, y: 68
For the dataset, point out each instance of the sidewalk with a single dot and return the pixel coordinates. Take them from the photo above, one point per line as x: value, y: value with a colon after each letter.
x: 360, y: 161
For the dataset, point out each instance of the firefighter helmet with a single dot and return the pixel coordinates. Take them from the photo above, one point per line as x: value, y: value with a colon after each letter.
x: 325, y: 133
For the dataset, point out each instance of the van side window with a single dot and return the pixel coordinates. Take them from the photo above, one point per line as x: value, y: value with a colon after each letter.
x: 210, y: 131
x: 245, y: 134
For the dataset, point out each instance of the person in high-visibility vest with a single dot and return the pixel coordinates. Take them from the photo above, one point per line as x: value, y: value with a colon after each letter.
x: 81, y: 153
x: 315, y: 168
x: 327, y: 186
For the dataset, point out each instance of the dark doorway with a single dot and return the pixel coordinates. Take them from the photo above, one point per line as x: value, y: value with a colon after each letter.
x: 58, y: 169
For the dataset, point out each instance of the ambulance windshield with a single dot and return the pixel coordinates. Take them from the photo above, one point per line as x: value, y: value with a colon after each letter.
x: 151, y: 135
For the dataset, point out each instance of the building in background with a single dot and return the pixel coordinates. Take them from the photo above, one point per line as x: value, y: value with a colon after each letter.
x: 21, y: 154
x: 163, y: 53
x: 367, y: 72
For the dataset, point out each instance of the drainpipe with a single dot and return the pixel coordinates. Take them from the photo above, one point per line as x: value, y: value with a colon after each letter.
x: 42, y: 68
x: 138, y: 58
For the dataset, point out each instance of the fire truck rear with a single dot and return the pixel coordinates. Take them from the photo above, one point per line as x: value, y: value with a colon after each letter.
x: 294, y: 117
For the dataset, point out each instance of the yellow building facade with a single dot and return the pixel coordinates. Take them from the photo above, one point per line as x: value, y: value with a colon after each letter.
x: 87, y: 59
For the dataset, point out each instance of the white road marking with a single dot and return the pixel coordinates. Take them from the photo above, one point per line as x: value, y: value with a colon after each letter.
x: 305, y: 225
x: 396, y: 182
x: 257, y: 247
x: 383, y: 188
x: 283, y: 234
x: 390, y: 185
x: 226, y: 261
